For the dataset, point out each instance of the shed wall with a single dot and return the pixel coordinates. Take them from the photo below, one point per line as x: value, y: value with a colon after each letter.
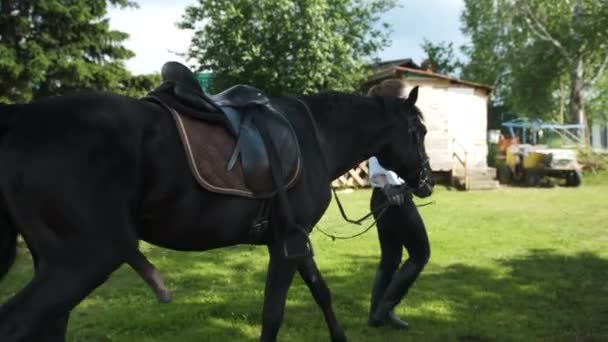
x: 453, y: 113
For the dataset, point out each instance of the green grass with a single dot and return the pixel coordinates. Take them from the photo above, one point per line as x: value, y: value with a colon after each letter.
x: 513, y: 264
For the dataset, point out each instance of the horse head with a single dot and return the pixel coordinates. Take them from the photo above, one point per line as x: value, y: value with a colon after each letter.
x: 405, y: 152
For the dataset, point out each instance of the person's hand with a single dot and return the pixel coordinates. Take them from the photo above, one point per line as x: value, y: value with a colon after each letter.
x: 394, y: 194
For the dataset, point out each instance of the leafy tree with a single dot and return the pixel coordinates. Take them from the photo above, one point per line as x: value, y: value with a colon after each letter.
x: 50, y: 47
x: 536, y: 52
x: 496, y: 56
x: 441, y: 57
x: 598, y: 101
x: 137, y: 85
x: 287, y: 46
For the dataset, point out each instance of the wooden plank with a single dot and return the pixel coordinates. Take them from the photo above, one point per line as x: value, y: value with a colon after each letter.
x: 356, y: 177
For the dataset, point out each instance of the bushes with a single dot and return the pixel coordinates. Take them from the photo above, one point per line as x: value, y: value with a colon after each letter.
x: 593, y: 161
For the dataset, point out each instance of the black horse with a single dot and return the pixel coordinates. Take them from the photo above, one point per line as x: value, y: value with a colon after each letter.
x: 84, y: 177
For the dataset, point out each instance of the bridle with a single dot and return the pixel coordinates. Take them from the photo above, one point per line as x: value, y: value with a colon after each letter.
x: 423, y: 175
x: 423, y: 180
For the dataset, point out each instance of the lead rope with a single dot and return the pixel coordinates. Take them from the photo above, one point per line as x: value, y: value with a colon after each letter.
x: 380, y: 210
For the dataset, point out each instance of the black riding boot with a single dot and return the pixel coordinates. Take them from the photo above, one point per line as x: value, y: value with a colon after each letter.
x: 394, y: 293
x: 383, y: 278
x: 382, y: 281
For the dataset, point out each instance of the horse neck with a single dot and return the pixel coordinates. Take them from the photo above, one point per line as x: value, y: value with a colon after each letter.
x: 351, y: 129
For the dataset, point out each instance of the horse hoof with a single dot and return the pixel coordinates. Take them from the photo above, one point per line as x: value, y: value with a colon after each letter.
x: 339, y: 338
x: 164, y: 297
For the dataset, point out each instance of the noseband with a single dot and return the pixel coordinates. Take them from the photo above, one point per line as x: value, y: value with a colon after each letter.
x: 423, y: 175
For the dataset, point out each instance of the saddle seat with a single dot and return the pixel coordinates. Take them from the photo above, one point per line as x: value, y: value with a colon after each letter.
x: 227, y: 136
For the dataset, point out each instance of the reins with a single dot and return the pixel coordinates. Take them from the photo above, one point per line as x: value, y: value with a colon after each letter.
x: 380, y: 210
x: 348, y: 237
x: 316, y: 133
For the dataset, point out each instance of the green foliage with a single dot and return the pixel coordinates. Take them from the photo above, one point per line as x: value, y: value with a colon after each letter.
x: 530, y: 51
x: 492, y: 153
x: 138, y: 85
x: 441, y: 57
x: 286, y: 46
x: 598, y: 102
x: 593, y: 161
x: 50, y: 47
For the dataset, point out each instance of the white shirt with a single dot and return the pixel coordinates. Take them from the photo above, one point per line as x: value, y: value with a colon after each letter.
x: 376, y: 170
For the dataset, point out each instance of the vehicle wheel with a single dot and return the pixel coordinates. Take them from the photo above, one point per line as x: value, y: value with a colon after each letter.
x: 532, y: 178
x: 574, y: 178
x: 504, y: 174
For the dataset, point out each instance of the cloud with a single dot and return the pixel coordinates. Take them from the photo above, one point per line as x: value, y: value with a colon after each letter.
x: 414, y: 21
x: 153, y: 34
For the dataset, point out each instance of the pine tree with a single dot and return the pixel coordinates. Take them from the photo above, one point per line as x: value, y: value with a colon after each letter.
x: 51, y: 47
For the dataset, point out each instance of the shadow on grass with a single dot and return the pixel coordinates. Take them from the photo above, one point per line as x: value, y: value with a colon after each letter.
x: 541, y: 295
x: 218, y: 295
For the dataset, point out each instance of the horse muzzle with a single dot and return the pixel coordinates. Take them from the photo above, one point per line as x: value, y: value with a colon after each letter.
x: 425, y: 186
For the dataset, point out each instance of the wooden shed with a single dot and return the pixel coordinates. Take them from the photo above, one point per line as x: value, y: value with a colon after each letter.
x: 455, y: 113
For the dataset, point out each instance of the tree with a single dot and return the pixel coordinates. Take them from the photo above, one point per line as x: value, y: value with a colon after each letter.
x: 50, y: 47
x: 521, y: 71
x: 598, y: 102
x: 535, y: 51
x: 287, y: 46
x: 441, y: 57
x: 577, y: 30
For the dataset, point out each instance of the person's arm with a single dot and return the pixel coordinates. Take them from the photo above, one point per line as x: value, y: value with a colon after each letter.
x: 377, y: 174
x: 378, y: 177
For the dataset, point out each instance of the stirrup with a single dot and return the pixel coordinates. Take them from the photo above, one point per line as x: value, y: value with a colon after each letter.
x: 297, y: 235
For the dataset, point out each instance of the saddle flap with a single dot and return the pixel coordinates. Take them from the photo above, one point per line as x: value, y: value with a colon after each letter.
x: 210, y: 146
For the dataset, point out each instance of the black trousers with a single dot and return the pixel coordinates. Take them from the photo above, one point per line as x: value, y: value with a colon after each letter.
x: 398, y: 228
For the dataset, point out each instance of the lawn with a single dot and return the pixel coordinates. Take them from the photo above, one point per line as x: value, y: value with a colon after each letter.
x: 513, y: 264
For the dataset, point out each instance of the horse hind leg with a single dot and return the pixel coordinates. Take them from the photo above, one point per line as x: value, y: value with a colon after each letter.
x: 72, y: 258
x: 39, y: 312
x: 54, y: 330
x: 150, y: 275
x: 318, y: 288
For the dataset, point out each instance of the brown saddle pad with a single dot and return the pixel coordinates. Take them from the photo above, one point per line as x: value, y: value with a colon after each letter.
x: 208, y: 148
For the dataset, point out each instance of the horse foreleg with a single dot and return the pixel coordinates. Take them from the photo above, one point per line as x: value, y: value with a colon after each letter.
x: 310, y: 273
x: 278, y: 279
x: 151, y: 275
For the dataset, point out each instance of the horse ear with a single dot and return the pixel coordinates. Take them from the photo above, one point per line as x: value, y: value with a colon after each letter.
x: 413, y: 96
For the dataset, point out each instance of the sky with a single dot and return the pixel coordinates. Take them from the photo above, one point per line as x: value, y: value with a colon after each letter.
x: 155, y: 38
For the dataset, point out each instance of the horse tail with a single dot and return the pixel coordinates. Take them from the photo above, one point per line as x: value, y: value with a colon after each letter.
x: 8, y: 240
x: 8, y: 233
x: 8, y: 113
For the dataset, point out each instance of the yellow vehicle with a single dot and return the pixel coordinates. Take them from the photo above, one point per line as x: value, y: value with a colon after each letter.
x: 533, y: 165
x: 538, y: 164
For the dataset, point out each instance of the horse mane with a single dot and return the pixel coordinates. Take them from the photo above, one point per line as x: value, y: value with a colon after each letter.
x: 341, y: 99
x: 355, y: 104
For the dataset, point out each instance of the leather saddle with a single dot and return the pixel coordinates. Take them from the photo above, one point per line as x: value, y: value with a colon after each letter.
x: 227, y: 136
